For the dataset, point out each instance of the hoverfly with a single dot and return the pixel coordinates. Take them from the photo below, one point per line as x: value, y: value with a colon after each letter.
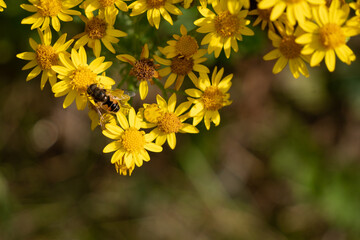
x: 108, y: 101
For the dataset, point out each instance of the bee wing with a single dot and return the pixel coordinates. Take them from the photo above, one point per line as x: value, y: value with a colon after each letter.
x: 120, y: 95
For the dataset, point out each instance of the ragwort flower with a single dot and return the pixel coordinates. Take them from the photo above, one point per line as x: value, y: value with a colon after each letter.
x: 288, y: 51
x: 327, y: 36
x: 77, y: 75
x: 183, y: 46
x: 209, y: 98
x: 144, y: 69
x: 44, y: 10
x: 93, y: 5
x: 179, y: 67
x: 99, y: 29
x: 44, y: 57
x: 155, y: 9
x: 223, y: 28
x: 130, y: 145
x: 171, y: 121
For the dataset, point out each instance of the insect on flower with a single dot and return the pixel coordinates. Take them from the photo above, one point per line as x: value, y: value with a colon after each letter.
x: 108, y: 101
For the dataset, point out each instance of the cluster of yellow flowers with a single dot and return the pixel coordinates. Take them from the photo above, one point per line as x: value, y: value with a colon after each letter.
x: 301, y: 31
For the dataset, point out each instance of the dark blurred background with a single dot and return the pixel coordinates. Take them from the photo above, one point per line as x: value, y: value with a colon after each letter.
x: 283, y: 164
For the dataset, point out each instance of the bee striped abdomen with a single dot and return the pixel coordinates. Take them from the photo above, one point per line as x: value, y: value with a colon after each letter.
x: 112, y: 105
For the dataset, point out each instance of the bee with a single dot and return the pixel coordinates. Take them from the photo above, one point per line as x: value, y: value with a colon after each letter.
x: 108, y: 101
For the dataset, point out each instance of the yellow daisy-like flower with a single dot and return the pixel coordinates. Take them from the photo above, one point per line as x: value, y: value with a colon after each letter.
x: 298, y: 10
x: 144, y: 69
x: 171, y: 121
x: 130, y: 145
x: 44, y: 57
x: 327, y: 36
x: 99, y: 29
x: 209, y: 98
x: 183, y: 46
x: 287, y: 51
x: 2, y: 5
x: 76, y: 76
x: 155, y: 9
x: 179, y: 67
x: 93, y: 5
x: 49, y: 9
x: 224, y: 28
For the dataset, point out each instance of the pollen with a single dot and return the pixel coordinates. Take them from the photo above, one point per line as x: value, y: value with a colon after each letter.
x: 46, y: 57
x: 332, y: 36
x: 169, y: 123
x: 152, y: 113
x: 186, y: 46
x: 106, y: 3
x: 289, y: 48
x: 133, y: 140
x: 96, y: 28
x: 82, y: 78
x: 181, y: 65
x: 155, y: 3
x: 227, y: 24
x: 49, y: 8
x: 213, y: 98
x: 144, y: 69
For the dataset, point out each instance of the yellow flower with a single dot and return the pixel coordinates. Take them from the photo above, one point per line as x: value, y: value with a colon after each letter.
x: 171, y: 121
x: 49, y: 9
x: 287, y: 51
x: 183, y: 46
x: 223, y: 27
x: 2, y: 5
x: 209, y: 98
x: 76, y: 76
x: 179, y: 67
x: 93, y: 5
x: 99, y: 29
x: 155, y: 9
x: 44, y: 57
x: 144, y: 69
x: 130, y: 145
x: 327, y: 36
x: 297, y: 10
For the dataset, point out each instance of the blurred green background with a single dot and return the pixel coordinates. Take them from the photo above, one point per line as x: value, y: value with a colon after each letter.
x: 283, y: 164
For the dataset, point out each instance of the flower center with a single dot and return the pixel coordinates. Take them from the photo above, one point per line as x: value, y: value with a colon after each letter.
x: 155, y: 3
x: 106, y: 3
x: 186, y: 46
x: 289, y: 48
x: 96, y: 28
x: 227, y: 24
x: 46, y: 57
x: 213, y: 98
x: 331, y: 36
x: 181, y: 65
x: 152, y: 113
x: 82, y: 78
x: 264, y: 14
x: 144, y: 69
x: 133, y: 140
x: 48, y: 8
x: 169, y: 123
